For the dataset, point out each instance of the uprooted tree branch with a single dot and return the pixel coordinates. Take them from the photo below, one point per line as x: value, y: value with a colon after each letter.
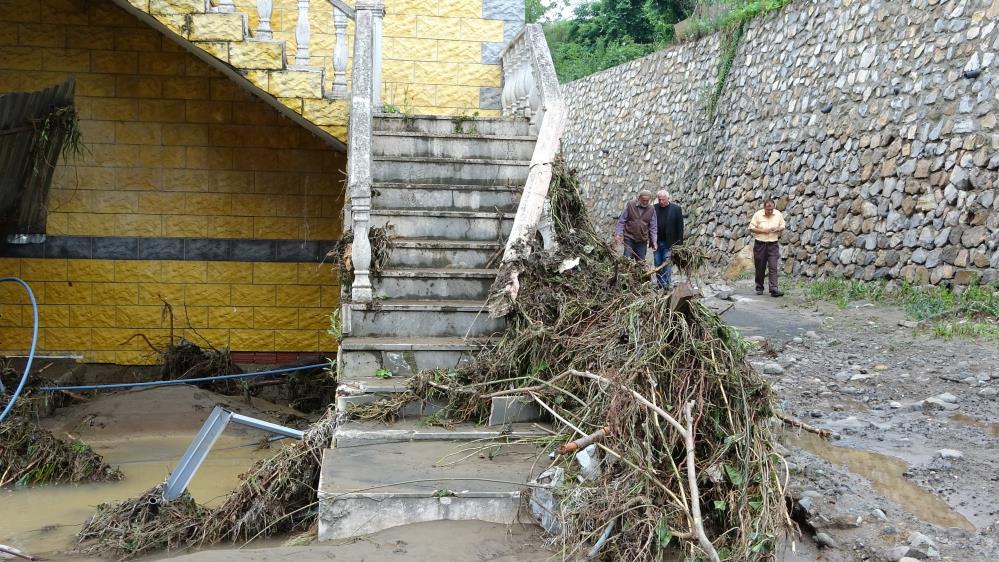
x: 689, y: 464
x: 685, y: 427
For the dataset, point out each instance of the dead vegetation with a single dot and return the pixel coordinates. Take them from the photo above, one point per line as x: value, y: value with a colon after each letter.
x: 275, y: 496
x: 689, y: 464
x: 685, y: 427
x: 30, y: 454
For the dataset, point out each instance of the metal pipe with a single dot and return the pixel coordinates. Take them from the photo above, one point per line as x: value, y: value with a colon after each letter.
x: 186, y: 381
x: 31, y: 352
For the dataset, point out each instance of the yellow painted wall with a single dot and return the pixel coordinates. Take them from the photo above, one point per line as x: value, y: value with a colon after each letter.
x: 432, y: 50
x: 91, y: 307
x: 173, y: 149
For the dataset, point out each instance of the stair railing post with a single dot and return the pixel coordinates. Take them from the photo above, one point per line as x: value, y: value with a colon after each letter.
x: 302, y: 33
x: 339, y: 54
x: 359, y: 148
x: 264, y: 10
x: 378, y: 15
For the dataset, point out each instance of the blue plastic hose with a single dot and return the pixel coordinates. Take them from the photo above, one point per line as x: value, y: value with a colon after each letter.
x: 272, y: 372
x: 31, y: 352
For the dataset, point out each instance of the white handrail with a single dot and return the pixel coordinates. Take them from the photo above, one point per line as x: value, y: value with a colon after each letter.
x: 531, y: 89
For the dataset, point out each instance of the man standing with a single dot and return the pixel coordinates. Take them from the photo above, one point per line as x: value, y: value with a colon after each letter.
x: 669, y: 218
x: 637, y: 226
x: 766, y: 226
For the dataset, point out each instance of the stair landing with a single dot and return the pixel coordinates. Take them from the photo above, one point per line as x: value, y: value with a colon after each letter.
x: 366, y: 489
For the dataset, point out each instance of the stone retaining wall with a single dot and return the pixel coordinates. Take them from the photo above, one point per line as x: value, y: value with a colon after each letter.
x: 872, y: 123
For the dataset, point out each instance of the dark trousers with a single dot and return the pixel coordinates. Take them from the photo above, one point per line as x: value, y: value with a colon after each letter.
x: 765, y: 257
x: 635, y: 250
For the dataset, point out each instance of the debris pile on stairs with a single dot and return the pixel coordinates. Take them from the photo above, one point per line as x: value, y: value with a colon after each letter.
x: 31, y: 454
x: 682, y: 428
x: 275, y: 496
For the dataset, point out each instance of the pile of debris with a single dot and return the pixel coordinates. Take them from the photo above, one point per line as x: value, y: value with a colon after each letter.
x: 678, y: 430
x: 682, y: 426
x: 30, y: 454
x: 275, y: 496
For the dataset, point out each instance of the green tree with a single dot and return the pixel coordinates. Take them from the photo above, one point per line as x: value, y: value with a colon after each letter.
x: 604, y: 33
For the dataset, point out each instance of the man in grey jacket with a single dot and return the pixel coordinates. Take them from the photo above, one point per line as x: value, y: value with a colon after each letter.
x: 636, y: 227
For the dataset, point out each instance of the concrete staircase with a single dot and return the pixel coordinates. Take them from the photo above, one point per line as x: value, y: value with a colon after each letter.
x: 450, y: 197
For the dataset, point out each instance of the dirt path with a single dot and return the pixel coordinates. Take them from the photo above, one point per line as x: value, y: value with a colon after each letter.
x: 901, y: 464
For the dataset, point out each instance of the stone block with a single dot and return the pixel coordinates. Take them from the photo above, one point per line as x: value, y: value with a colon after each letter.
x: 503, y: 10
x: 257, y: 54
x: 325, y: 112
x: 513, y: 409
x: 218, y: 49
x: 162, y: 7
x: 296, y: 83
x: 490, y: 98
x: 217, y: 27
x: 489, y: 53
x: 478, y: 30
x: 479, y: 75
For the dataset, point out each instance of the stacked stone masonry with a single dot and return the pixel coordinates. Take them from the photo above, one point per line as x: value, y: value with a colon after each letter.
x: 873, y: 124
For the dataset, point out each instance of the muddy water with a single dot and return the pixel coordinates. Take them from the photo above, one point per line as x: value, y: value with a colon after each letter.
x: 44, y: 520
x: 885, y: 474
x: 989, y: 428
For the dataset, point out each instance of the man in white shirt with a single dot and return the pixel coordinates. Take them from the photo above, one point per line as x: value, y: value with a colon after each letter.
x: 766, y: 226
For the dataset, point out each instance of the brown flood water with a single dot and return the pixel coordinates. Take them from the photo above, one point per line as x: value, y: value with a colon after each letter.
x: 43, y: 521
x: 885, y: 474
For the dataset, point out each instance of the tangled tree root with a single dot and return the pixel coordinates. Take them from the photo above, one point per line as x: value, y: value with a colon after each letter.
x: 689, y: 465
x: 277, y: 495
x: 30, y: 454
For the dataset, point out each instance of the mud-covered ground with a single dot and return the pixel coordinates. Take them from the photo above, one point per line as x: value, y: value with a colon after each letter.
x: 913, y: 469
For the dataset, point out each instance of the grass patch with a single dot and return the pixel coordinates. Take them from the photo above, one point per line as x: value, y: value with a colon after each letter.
x: 972, y: 313
x: 729, y: 14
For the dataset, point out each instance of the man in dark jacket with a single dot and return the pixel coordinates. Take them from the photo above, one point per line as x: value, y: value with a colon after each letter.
x: 636, y: 227
x: 669, y: 219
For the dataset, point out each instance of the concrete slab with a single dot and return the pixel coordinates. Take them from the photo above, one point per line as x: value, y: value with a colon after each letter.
x: 513, y: 409
x: 366, y: 489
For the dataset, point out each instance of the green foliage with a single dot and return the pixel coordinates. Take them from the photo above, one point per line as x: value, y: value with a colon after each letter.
x: 606, y: 33
x: 336, y: 325
x: 383, y: 373
x: 729, y: 49
x: 971, y: 313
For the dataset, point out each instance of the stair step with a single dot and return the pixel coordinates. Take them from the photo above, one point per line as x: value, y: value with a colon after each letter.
x: 422, y: 318
x: 358, y: 493
x: 359, y: 358
x: 442, y: 196
x: 434, y: 283
x: 429, y: 252
x: 217, y: 27
x: 479, y: 171
x: 449, y: 225
x: 360, y: 434
x: 393, y: 143
x: 442, y: 125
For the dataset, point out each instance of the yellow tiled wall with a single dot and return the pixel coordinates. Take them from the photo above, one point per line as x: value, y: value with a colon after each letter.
x: 173, y: 149
x: 432, y: 50
x: 91, y: 307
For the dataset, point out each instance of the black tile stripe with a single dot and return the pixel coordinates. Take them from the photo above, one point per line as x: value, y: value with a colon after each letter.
x: 189, y: 249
